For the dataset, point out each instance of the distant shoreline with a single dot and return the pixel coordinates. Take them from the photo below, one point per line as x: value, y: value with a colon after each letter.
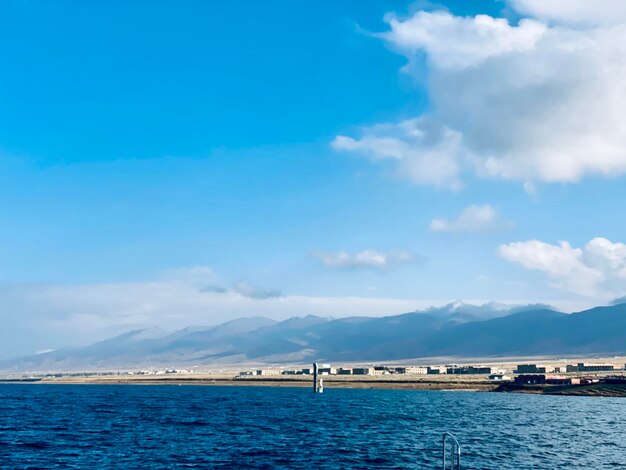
x: 472, y: 384
x: 355, y: 383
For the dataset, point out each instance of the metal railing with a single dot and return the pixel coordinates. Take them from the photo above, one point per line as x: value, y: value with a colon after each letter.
x: 455, y: 451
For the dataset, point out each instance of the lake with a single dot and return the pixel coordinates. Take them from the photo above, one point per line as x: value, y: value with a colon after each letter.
x: 110, y: 426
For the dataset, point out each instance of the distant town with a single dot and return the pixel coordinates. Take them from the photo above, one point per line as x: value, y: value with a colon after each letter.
x: 522, y: 374
x: 601, y: 378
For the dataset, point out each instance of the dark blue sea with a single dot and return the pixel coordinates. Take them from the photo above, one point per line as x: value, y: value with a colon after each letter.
x: 109, y: 426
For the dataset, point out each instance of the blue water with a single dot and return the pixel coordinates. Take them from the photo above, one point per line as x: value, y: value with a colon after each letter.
x: 109, y: 426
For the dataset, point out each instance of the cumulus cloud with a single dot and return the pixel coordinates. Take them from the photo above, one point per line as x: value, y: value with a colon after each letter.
x: 575, y: 12
x: 536, y: 101
x: 473, y: 219
x: 454, y: 42
x: 366, y: 259
x: 599, y: 268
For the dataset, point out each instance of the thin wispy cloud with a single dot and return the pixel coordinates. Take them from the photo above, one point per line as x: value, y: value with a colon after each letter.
x: 368, y: 259
x: 213, y: 289
x: 243, y: 289
x: 474, y: 219
x: 255, y: 292
x: 199, y: 275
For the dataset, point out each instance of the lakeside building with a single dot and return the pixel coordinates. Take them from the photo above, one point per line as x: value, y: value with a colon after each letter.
x: 453, y: 369
x: 251, y: 373
x: 469, y: 370
x: 414, y: 370
x: 326, y: 370
x: 587, y: 367
x: 546, y: 379
x: 530, y: 369
x: 499, y: 377
x: 561, y: 380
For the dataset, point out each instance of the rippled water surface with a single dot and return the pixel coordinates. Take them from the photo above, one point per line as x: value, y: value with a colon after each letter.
x: 109, y: 426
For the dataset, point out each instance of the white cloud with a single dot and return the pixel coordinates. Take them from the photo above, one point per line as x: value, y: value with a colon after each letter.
x: 473, y: 219
x: 533, y: 102
x: 576, y: 12
x: 599, y: 268
x: 366, y: 259
x: 256, y: 292
x: 607, y: 257
x: 425, y: 152
x: 453, y: 42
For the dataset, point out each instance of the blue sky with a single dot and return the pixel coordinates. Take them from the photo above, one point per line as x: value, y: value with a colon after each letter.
x: 288, y: 156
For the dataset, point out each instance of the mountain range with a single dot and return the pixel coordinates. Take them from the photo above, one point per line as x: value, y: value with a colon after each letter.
x: 454, y: 330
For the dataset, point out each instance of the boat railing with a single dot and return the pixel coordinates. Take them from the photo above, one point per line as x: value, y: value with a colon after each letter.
x: 455, y: 451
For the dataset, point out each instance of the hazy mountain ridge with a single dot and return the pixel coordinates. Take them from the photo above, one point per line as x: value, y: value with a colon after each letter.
x: 452, y: 330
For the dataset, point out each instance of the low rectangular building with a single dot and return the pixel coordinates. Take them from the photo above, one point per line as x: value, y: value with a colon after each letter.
x: 530, y: 369
x: 546, y: 379
x: 561, y: 380
x: 499, y: 377
x: 589, y: 367
x: 530, y: 379
x: 361, y: 370
x: 470, y: 370
x: 379, y: 370
x: 413, y: 370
